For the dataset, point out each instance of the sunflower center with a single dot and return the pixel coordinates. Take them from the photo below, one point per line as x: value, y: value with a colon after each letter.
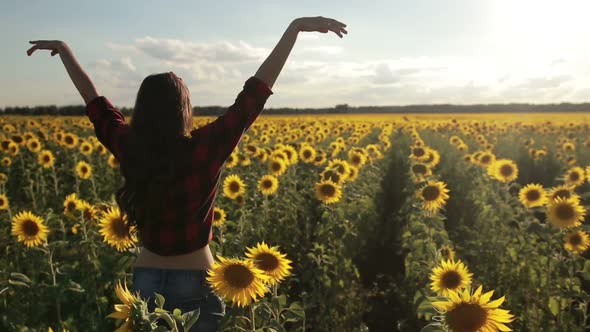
x: 69, y: 140
x: 564, y: 211
x: 451, y: 279
x: 506, y: 170
x: 266, y: 262
x: 575, y: 240
x: 238, y: 276
x: 84, y: 169
x: 45, y: 159
x: 533, y: 195
x: 356, y: 159
x: 71, y: 206
x: 418, y: 152
x: 430, y: 193
x: 234, y: 187
x: 216, y: 215
x: 275, y: 166
x: 562, y: 193
x: 267, y: 184
x: 485, y: 159
x: 306, y: 153
x: 574, y: 176
x: 328, y: 190
x: 467, y: 317
x: 30, y: 228
x: 119, y: 228
x: 419, y: 169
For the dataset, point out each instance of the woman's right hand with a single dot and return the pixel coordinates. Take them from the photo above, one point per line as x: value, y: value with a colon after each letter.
x: 320, y: 24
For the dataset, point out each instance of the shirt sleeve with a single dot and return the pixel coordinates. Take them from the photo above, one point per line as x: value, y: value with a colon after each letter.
x: 217, y: 139
x: 109, y: 124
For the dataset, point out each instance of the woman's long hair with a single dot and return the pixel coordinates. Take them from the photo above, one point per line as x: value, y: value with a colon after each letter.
x: 161, y: 119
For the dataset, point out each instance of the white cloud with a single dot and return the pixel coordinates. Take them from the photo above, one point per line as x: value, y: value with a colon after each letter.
x: 215, y: 73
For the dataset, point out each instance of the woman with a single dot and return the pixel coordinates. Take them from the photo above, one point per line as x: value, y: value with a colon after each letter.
x: 172, y: 170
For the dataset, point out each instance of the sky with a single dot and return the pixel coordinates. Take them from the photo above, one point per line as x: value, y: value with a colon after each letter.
x: 395, y: 52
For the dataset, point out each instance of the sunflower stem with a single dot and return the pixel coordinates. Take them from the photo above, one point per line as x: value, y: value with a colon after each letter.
x: 252, y: 317
x: 54, y: 181
x: 53, y: 277
x: 93, y: 187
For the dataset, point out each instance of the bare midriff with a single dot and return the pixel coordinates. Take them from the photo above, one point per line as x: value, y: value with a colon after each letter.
x: 201, y: 259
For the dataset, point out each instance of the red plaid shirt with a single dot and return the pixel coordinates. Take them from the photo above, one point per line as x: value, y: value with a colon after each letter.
x: 186, y: 222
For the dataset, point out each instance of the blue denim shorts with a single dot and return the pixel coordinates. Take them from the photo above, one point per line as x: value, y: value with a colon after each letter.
x: 186, y: 290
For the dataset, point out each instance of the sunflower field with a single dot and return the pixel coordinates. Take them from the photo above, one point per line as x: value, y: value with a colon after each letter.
x: 430, y: 222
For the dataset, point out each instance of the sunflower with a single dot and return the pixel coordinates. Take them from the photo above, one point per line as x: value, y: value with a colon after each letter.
x: 449, y: 276
x: 124, y: 311
x: 466, y: 312
x: 340, y: 166
x: 113, y: 162
x: 86, y: 148
x: 277, y: 166
x: 272, y: 262
x: 29, y: 229
x: 268, y: 184
x: 101, y: 148
x: 575, y: 176
x: 46, y: 159
x: 434, y: 195
x: 420, y: 172
x: 34, y: 145
x: 418, y: 153
x: 577, y: 242
x: 236, y: 280
x: 532, y: 195
x: 565, y: 212
x: 233, y: 160
x: 563, y: 191
x: 432, y: 157
x: 69, y: 140
x: 116, y: 231
x: 219, y: 216
x: 233, y: 186
x: 89, y: 212
x: 332, y: 175
x: 6, y: 161
x: 307, y: 154
x: 504, y: 170
x: 447, y: 252
x: 3, y: 202
x: 486, y: 159
x: 356, y: 158
x: 70, y: 204
x: 84, y: 170
x: 320, y: 159
x: 353, y: 174
x: 292, y: 155
x: 328, y: 191
x: 13, y: 149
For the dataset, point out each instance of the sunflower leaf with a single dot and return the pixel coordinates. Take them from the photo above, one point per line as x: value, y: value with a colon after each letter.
x: 191, y: 318
x: 159, y: 300
x: 553, y: 306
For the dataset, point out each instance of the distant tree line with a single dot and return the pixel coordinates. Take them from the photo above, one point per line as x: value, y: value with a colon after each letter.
x: 338, y: 109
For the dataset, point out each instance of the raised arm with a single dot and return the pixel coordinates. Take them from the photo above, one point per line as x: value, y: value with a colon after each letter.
x: 216, y: 140
x: 272, y: 66
x: 77, y: 74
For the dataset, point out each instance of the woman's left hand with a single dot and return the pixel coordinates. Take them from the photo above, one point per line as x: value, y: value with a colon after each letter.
x: 54, y: 45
